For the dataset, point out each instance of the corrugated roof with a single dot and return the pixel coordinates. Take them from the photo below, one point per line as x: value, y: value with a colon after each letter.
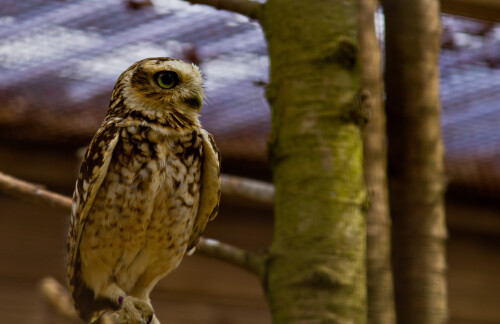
x: 59, y: 61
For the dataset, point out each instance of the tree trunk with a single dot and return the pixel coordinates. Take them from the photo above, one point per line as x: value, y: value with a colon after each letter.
x: 379, y: 271
x: 416, y: 160
x: 316, y: 269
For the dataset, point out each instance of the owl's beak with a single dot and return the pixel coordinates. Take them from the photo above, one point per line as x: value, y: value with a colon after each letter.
x: 194, y: 102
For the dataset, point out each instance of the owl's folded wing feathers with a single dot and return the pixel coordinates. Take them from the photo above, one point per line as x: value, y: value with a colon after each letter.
x: 92, y: 173
x: 210, y: 189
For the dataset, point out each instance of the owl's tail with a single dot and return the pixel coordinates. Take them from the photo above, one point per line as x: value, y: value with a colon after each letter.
x: 89, y: 308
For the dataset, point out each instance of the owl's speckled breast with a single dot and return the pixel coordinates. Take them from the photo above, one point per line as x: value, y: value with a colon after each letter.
x: 144, y: 213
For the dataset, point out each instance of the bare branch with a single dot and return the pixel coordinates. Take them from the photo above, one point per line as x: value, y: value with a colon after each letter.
x: 213, y: 248
x: 58, y: 297
x: 249, y: 8
x: 236, y: 256
x: 253, y: 190
x: 32, y: 193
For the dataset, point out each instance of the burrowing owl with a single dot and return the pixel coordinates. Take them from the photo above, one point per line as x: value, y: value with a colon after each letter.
x: 148, y: 184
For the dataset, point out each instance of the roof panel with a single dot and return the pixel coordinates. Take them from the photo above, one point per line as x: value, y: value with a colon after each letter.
x: 59, y: 61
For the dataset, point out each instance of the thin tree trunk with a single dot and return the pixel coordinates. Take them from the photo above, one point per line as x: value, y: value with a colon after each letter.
x: 379, y: 270
x: 316, y: 269
x: 416, y: 160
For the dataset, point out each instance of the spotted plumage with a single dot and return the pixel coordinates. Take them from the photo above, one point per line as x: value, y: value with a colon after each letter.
x: 148, y: 185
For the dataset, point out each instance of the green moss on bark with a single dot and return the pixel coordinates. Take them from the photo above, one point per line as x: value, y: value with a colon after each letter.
x: 316, y: 268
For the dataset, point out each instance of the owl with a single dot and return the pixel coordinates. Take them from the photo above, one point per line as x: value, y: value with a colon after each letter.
x: 148, y: 184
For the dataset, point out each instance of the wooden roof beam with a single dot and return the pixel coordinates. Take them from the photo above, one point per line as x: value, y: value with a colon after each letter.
x: 479, y: 9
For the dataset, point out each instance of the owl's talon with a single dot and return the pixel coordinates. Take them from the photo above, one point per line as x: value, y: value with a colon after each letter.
x: 135, y: 311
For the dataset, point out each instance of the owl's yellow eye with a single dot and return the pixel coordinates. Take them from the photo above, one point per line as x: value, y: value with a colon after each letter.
x: 166, y: 79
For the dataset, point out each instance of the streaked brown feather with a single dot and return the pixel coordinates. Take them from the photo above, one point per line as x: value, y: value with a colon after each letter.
x: 210, y: 188
x: 92, y: 172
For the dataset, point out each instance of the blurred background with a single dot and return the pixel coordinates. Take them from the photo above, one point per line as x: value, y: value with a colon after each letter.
x: 58, y: 64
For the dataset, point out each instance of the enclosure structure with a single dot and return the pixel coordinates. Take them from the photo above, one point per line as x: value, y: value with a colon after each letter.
x: 58, y: 62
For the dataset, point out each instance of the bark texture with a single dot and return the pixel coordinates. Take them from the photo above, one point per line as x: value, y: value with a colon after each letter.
x: 416, y: 160
x: 378, y: 254
x: 316, y: 269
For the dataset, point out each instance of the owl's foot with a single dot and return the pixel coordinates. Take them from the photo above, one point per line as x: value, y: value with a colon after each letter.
x: 135, y: 311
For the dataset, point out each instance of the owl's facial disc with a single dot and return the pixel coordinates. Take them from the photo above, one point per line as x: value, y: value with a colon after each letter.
x: 162, y: 86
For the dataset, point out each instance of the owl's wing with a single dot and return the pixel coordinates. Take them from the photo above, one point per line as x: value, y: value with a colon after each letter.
x: 210, y: 189
x: 92, y: 173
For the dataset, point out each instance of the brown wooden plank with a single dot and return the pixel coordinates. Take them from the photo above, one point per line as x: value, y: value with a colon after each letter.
x: 205, y: 290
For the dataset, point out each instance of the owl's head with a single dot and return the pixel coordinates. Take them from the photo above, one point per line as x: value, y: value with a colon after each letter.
x: 161, y: 85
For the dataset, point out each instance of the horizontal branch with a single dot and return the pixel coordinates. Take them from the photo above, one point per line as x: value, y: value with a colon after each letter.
x: 233, y: 255
x: 248, y: 8
x: 248, y: 189
x: 58, y: 297
x: 253, y: 190
x: 209, y: 247
x: 33, y: 193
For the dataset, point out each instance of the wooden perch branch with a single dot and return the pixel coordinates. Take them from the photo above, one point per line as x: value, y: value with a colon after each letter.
x: 33, y: 193
x: 58, y: 297
x: 213, y: 248
x: 257, y: 191
x: 233, y: 255
x: 248, y: 8
x: 248, y: 189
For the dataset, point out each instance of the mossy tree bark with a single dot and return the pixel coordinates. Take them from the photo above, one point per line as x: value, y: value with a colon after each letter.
x: 316, y: 269
x: 378, y: 254
x: 416, y: 160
